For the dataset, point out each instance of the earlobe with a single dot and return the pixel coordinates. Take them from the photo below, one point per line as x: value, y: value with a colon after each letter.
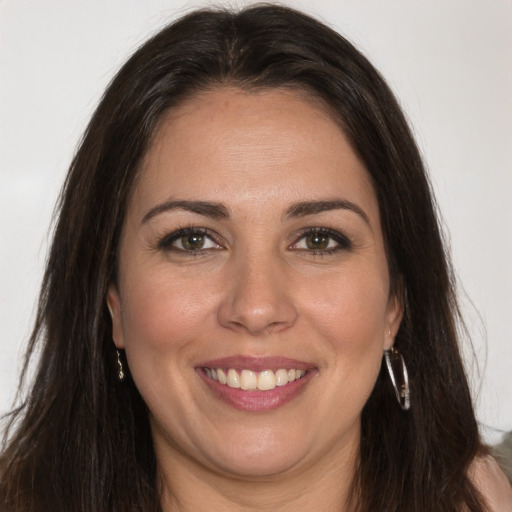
x: 114, y: 307
x: 394, y: 317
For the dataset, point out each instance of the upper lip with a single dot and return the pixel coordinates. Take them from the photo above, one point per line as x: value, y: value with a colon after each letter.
x: 256, y: 363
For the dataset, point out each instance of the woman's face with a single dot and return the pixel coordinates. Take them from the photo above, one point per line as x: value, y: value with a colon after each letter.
x: 252, y: 255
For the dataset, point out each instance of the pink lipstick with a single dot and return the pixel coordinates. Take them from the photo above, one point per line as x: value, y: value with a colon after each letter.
x: 256, y: 384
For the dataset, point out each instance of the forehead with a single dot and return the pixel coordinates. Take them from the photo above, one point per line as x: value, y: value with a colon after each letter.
x: 238, y: 145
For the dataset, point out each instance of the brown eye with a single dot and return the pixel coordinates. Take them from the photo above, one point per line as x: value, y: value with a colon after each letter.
x: 322, y: 241
x: 193, y: 241
x: 317, y: 241
x: 189, y: 240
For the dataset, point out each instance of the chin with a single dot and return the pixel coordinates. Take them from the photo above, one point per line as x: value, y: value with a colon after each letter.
x: 258, y: 458
x: 258, y: 465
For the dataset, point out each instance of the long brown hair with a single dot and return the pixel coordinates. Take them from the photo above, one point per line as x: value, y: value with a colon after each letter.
x: 81, y: 440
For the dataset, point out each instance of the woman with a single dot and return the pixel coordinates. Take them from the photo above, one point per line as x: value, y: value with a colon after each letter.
x: 247, y: 302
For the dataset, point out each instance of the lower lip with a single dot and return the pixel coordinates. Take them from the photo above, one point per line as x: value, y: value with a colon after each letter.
x: 257, y: 401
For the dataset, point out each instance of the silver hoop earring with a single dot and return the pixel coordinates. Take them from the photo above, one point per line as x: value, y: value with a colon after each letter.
x: 120, y: 371
x: 394, y: 359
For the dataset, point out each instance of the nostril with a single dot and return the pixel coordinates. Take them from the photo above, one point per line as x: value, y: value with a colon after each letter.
x: 257, y: 297
x: 268, y: 319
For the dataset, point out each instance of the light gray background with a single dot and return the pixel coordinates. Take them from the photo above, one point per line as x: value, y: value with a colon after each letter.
x: 449, y: 61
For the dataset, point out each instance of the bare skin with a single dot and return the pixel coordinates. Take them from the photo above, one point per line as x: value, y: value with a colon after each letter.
x: 195, y: 489
x: 493, y: 484
x: 286, y: 260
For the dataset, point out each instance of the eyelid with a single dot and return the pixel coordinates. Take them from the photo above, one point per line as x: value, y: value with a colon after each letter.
x: 165, y: 242
x: 343, y: 241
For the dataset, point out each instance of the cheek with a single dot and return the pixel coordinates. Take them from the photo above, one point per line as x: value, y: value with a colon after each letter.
x: 162, y: 318
x: 347, y: 315
x: 162, y: 312
x: 349, y: 311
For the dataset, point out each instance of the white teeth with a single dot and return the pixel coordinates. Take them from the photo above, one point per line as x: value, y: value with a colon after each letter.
x: 221, y: 376
x: 249, y: 380
x: 281, y: 377
x: 233, y: 379
x: 266, y: 380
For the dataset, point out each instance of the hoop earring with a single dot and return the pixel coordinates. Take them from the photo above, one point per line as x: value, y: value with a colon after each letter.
x: 402, y: 392
x: 120, y: 370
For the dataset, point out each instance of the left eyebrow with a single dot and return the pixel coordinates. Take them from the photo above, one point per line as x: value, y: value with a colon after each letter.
x: 305, y: 208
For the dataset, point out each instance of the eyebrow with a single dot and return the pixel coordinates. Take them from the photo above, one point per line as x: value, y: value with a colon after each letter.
x: 219, y: 211
x: 305, y: 208
x: 206, y: 208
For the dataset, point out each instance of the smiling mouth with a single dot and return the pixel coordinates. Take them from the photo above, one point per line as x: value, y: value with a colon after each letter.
x: 248, y: 380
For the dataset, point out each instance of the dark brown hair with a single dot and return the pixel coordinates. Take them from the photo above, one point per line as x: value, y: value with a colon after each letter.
x: 81, y: 440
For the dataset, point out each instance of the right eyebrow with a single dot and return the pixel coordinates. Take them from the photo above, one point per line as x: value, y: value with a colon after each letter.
x: 206, y: 208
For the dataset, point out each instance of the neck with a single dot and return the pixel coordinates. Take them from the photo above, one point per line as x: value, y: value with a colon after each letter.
x: 186, y: 486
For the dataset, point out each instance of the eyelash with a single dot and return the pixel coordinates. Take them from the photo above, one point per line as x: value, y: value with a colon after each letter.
x: 165, y: 243
x: 342, y: 241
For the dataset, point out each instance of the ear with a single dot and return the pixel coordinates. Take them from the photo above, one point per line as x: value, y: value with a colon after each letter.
x: 394, y: 315
x: 114, y: 307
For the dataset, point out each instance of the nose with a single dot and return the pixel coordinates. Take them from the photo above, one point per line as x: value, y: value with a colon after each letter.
x: 258, y: 298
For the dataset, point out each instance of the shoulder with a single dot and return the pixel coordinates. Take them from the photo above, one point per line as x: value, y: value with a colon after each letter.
x: 492, y: 483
